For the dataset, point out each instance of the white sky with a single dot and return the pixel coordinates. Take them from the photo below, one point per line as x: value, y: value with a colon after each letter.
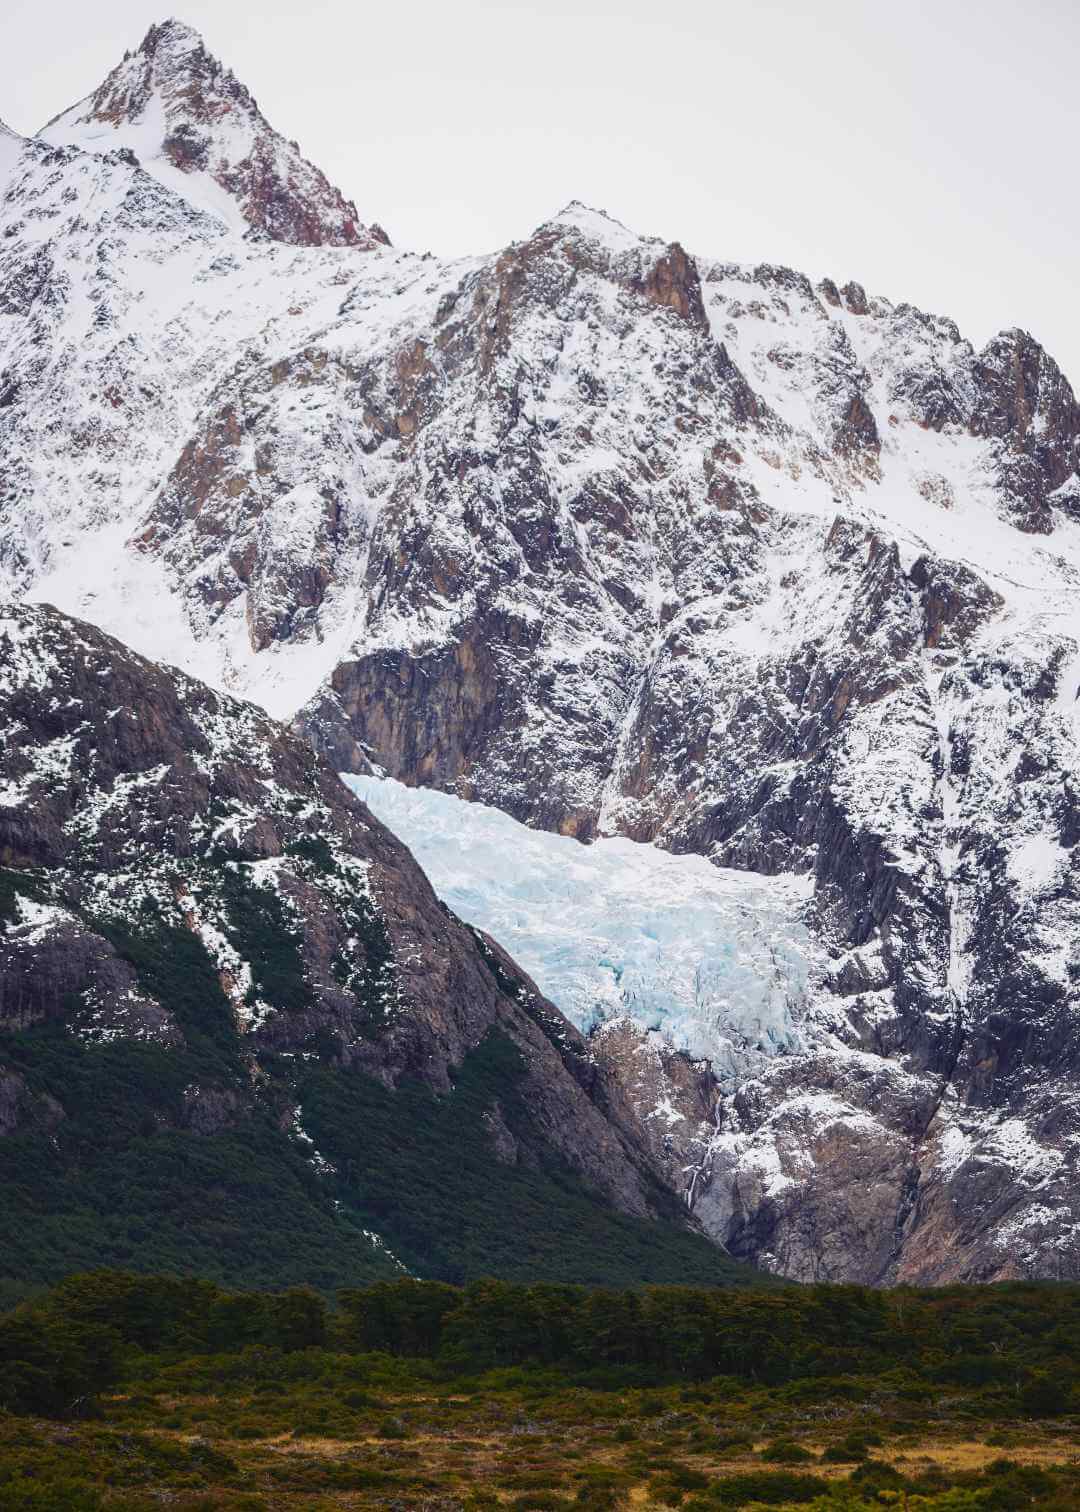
x: 926, y: 149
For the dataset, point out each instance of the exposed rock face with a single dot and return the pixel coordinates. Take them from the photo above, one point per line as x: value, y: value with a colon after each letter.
x: 621, y: 540
x: 136, y: 807
x: 12, y: 149
x: 1028, y: 408
x: 175, y: 107
x: 675, y: 1097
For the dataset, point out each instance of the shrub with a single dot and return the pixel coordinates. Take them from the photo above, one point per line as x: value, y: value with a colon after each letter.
x: 875, y: 1475
x: 673, y: 1485
x: 855, y: 1446
x: 786, y: 1452
x: 730, y: 1445
x: 769, y: 1488
x: 1044, y: 1396
x: 358, y: 1400
x: 21, y: 1494
x: 249, y: 1430
x: 597, y: 1499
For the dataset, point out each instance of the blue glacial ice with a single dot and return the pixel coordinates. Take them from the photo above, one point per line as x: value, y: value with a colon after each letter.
x: 718, y: 961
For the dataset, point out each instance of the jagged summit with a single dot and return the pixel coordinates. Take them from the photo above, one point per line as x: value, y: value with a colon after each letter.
x: 578, y: 212
x: 172, y: 36
x: 199, y: 130
x: 595, y: 225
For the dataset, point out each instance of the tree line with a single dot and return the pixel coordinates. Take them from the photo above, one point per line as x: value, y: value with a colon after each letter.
x: 58, y: 1350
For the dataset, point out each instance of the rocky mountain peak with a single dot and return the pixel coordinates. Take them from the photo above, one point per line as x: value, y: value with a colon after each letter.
x: 172, y: 39
x: 583, y: 238
x: 593, y: 223
x: 11, y: 145
x: 198, y: 129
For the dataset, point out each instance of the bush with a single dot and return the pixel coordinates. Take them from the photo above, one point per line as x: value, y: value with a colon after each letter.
x: 841, y: 1454
x: 786, y: 1452
x: 673, y: 1485
x: 1044, y: 1396
x: 769, y: 1488
x: 875, y: 1475
x: 855, y: 1446
x: 597, y: 1499
x: 1011, y: 1486
x: 250, y: 1431
x: 358, y: 1400
x: 20, y: 1494
x: 731, y: 1445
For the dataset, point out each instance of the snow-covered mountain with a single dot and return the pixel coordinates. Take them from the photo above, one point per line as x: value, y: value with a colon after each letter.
x: 198, y: 131
x: 623, y: 542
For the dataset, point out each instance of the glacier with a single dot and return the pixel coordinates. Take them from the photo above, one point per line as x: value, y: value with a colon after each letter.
x: 718, y: 961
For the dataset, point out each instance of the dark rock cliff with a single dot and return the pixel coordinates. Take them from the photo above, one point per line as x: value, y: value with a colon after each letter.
x: 206, y: 937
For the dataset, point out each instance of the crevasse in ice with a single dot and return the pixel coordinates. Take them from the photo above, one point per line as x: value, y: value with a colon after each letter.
x: 717, y: 960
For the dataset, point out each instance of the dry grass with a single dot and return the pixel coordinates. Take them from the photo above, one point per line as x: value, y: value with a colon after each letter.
x: 973, y: 1454
x: 476, y: 1460
x: 500, y: 1446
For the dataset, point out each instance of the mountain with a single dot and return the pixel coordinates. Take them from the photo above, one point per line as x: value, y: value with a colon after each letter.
x: 12, y: 146
x: 240, y: 1034
x: 198, y: 130
x: 707, y: 994
x: 623, y: 541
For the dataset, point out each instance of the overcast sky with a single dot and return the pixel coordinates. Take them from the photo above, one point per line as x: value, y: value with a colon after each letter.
x: 926, y: 149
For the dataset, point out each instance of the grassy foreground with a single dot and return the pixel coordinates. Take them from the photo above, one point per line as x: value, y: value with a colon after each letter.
x: 136, y: 1393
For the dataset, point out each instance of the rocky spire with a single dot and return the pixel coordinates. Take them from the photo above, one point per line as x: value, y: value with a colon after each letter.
x: 198, y: 129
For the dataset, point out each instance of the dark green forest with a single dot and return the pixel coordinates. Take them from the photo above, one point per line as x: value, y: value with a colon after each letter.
x: 1013, y: 1341
x: 120, y: 1177
x: 119, y: 1183
x: 119, y: 1392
